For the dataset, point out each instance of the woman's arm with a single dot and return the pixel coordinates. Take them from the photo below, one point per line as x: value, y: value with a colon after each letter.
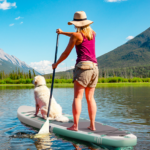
x: 67, y: 51
x: 59, y: 31
x: 67, y: 33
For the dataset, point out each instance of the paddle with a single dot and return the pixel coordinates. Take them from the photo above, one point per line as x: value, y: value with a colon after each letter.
x: 45, y: 127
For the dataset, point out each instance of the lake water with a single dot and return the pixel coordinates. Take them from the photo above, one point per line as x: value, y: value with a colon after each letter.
x: 127, y: 108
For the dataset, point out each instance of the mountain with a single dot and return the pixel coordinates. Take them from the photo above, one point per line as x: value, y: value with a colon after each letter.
x: 135, y: 52
x: 8, y: 63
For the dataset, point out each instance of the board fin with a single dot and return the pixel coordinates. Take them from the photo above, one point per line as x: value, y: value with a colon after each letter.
x: 45, y: 128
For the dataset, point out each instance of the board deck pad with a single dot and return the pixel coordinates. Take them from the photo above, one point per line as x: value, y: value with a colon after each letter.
x: 102, y: 132
x: 100, y: 128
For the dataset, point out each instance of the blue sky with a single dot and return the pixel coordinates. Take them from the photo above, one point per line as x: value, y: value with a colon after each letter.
x: 28, y: 27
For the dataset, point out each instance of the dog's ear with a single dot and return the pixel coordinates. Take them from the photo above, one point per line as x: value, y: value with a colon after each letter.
x: 35, y: 82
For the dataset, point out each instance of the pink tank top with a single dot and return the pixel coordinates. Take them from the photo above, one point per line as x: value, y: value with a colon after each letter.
x: 86, y: 50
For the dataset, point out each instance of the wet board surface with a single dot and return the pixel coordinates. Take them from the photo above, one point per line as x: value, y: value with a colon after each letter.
x: 104, y: 134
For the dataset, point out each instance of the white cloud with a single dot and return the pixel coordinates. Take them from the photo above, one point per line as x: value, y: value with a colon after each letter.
x: 17, y: 18
x: 72, y: 67
x: 114, y: 0
x: 72, y: 59
x: 21, y: 22
x: 11, y: 24
x: 130, y: 37
x: 5, y: 5
x: 42, y: 66
x: 45, y: 67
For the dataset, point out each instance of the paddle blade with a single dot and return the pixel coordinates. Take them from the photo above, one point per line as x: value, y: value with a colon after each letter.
x: 45, y: 127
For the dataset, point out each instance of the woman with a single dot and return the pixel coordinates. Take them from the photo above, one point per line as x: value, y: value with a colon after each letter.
x: 85, y: 74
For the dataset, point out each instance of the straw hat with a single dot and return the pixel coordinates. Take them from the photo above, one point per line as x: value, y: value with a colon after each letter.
x: 80, y: 19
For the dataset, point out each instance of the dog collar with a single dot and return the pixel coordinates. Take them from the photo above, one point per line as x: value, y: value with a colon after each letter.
x: 41, y: 85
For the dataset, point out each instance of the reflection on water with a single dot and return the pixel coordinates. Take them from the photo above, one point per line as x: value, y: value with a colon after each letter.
x: 15, y: 87
x: 132, y: 104
x: 122, y: 107
x: 45, y: 142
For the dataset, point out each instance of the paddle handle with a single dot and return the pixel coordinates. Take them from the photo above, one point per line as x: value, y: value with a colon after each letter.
x: 53, y: 77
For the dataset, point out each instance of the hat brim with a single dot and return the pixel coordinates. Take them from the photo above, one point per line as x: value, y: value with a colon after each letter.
x: 80, y: 23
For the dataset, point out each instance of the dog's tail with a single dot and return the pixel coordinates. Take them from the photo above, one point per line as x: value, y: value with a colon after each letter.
x: 62, y: 118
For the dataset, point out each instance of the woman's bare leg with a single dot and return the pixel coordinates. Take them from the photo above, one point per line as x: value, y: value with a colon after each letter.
x: 92, y: 108
x: 76, y: 106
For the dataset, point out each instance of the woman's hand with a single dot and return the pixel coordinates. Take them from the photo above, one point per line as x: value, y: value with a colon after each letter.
x: 54, y: 65
x: 59, y: 31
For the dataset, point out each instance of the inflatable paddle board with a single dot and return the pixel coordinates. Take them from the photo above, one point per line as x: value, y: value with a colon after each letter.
x: 104, y: 134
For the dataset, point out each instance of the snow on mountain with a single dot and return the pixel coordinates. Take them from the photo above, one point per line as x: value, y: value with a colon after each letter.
x: 14, y: 60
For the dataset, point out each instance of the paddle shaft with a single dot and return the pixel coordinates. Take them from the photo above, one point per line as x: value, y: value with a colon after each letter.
x: 53, y: 77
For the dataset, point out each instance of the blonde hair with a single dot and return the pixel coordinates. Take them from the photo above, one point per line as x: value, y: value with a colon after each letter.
x: 87, y: 31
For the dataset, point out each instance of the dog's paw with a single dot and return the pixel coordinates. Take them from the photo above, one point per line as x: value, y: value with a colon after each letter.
x: 45, y: 117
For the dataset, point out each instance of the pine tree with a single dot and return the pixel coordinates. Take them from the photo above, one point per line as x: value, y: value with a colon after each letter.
x: 0, y: 75
x: 3, y: 75
x: 29, y: 74
x: 33, y: 73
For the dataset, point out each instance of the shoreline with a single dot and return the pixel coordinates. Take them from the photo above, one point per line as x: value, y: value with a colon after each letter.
x: 70, y: 85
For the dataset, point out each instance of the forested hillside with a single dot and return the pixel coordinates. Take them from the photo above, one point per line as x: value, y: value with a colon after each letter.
x: 135, y: 52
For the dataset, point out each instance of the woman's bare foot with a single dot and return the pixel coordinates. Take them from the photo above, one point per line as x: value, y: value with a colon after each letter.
x: 91, y: 128
x: 74, y: 128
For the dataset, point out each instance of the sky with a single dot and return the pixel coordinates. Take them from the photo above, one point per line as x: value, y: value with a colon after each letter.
x: 28, y: 27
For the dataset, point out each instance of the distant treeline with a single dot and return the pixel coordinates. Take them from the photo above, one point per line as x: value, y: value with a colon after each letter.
x: 129, y: 72
x: 16, y: 75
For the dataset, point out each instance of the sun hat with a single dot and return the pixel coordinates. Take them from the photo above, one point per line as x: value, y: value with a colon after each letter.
x: 80, y: 19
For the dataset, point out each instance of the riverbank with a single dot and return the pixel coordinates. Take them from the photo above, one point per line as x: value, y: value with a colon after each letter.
x: 69, y: 81
x: 70, y: 85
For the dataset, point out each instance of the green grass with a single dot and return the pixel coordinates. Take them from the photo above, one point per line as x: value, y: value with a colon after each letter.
x: 67, y: 83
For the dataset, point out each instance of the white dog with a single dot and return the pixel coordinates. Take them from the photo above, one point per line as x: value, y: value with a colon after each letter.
x: 42, y: 94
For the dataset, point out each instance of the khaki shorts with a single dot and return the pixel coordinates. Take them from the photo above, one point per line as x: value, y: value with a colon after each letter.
x: 87, y: 78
